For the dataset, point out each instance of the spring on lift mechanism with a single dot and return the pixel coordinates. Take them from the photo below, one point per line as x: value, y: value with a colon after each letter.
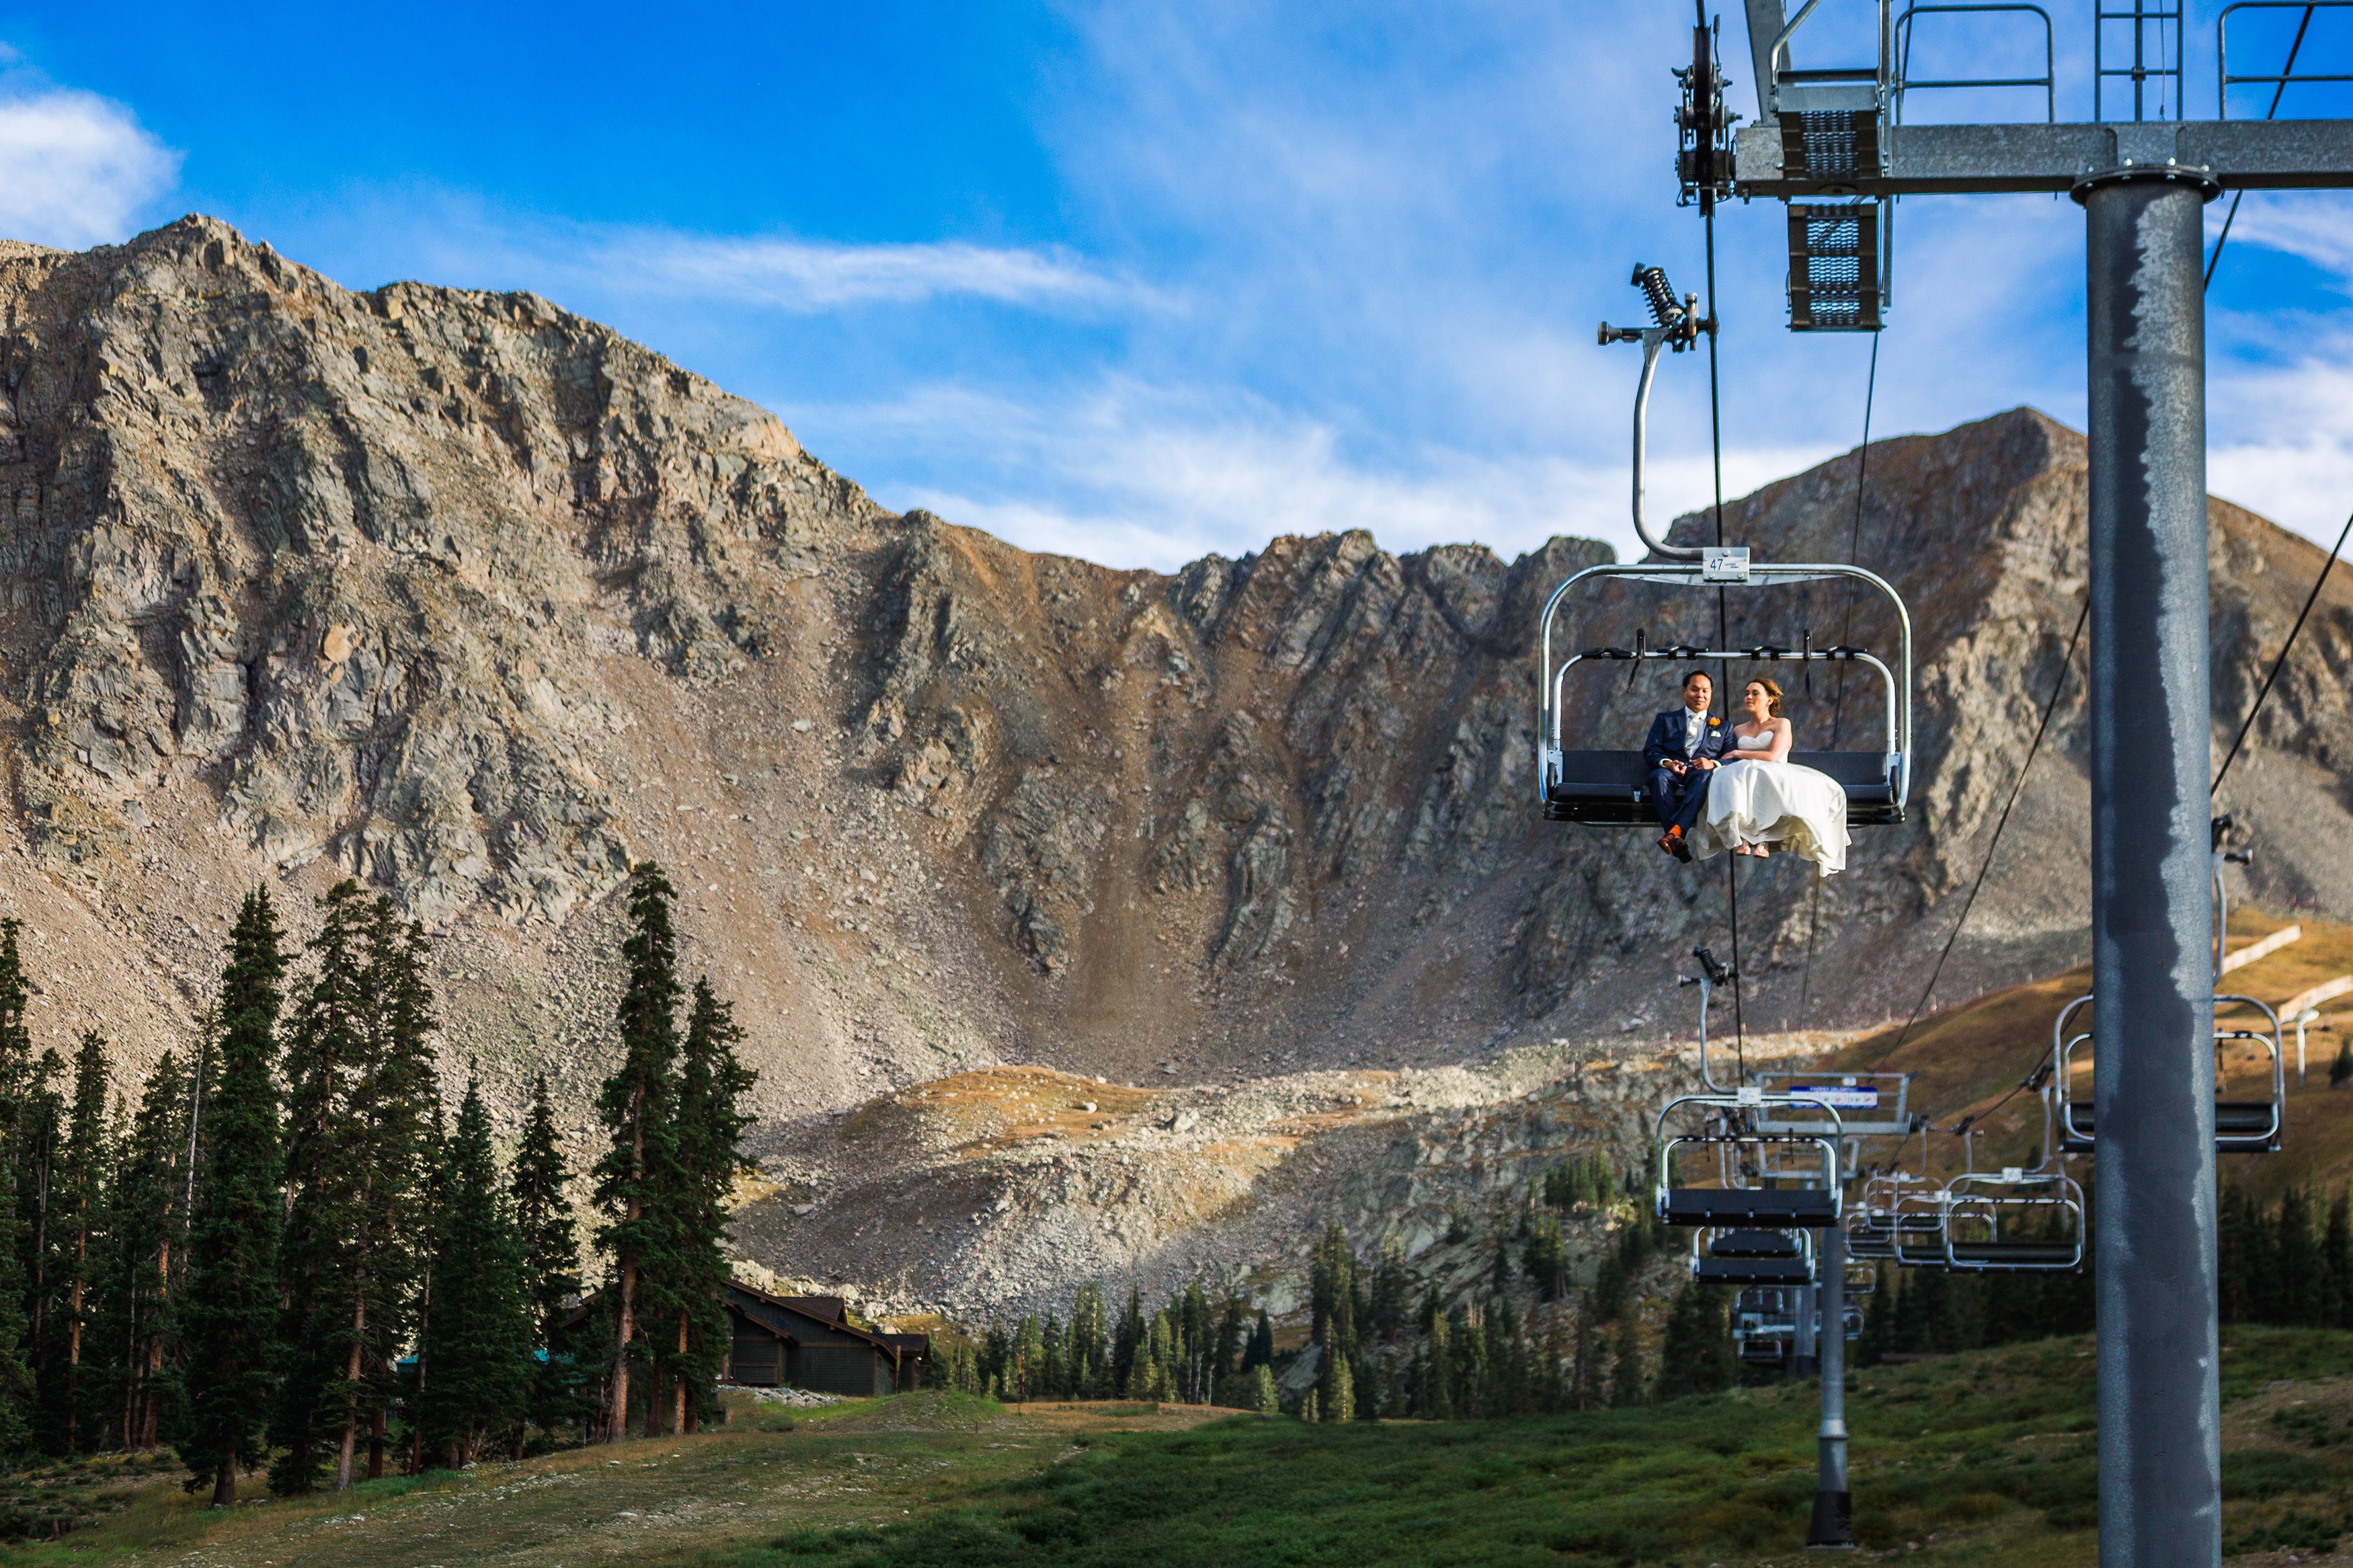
x: 1652, y: 281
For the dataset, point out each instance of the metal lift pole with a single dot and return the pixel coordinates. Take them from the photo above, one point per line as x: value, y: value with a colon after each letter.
x: 1833, y: 1520
x: 2152, y: 888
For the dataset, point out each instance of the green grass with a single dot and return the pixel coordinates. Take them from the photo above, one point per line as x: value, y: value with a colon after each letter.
x: 1985, y: 1458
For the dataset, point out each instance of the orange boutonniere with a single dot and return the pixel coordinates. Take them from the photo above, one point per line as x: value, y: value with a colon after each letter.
x: 1712, y: 723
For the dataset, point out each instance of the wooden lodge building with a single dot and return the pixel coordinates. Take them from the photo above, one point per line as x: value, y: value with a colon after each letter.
x: 808, y: 1341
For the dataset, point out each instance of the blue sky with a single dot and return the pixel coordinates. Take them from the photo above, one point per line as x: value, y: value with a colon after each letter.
x: 1139, y: 282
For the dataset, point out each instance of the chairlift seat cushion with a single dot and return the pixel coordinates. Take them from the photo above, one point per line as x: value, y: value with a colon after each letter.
x: 1752, y: 1271
x: 2016, y: 1254
x: 1755, y: 1244
x: 2239, y: 1125
x: 1614, y: 787
x: 1808, y: 1206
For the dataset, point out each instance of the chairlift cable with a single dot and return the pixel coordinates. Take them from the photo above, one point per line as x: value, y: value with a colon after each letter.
x: 2231, y: 216
x: 1846, y: 635
x: 1724, y: 637
x: 2278, y: 664
x: 2017, y: 788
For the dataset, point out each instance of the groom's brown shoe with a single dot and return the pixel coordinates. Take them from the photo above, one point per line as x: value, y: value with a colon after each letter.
x: 1673, y: 844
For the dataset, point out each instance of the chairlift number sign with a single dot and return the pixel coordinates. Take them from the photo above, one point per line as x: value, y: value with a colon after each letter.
x: 1845, y: 1096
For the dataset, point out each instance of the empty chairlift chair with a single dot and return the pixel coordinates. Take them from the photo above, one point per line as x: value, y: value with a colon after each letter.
x: 2014, y: 1219
x: 1734, y: 1205
x: 2241, y: 1126
x: 1752, y: 1257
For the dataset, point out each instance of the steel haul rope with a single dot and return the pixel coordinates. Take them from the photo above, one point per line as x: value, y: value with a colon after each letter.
x: 1715, y: 446
x: 1846, y: 635
x: 2017, y: 788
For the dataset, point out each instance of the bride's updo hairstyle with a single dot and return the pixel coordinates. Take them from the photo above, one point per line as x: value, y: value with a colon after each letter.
x: 1772, y: 697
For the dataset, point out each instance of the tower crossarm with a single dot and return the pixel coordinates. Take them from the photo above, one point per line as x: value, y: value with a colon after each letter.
x: 1929, y: 160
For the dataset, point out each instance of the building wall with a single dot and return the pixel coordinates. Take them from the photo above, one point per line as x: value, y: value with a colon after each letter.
x: 756, y: 1361
x: 857, y: 1371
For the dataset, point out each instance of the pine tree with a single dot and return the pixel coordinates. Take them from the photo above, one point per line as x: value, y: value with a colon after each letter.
x: 1128, y: 1346
x: 636, y: 1105
x: 233, y: 1280
x: 1438, y: 1369
x: 1268, y: 1401
x: 1584, y: 1374
x: 479, y: 1343
x: 2298, y: 1251
x: 1331, y: 1296
x: 79, y: 1201
x: 35, y: 1151
x: 1878, y: 1318
x: 16, y: 1390
x: 1626, y: 1368
x: 710, y: 1123
x: 1262, y: 1342
x: 1548, y: 1258
x: 326, y: 1049
x: 2336, y: 1264
x: 144, y: 1265
x: 1224, y: 1357
x: 552, y: 1257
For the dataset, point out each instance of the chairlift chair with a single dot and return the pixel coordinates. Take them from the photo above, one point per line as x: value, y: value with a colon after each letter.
x: 2241, y: 1126
x: 1612, y: 787
x: 1988, y: 1214
x: 1733, y: 1205
x: 1750, y: 1256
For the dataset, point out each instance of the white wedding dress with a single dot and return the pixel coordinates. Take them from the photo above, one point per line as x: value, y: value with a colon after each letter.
x: 1796, y: 810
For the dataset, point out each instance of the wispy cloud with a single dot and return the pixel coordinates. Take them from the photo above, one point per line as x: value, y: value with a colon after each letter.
x: 451, y: 237
x: 76, y: 169
x: 2311, y: 226
x: 1131, y: 477
x: 805, y: 277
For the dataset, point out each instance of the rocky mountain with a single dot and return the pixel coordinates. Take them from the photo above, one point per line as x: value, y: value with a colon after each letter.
x: 470, y: 598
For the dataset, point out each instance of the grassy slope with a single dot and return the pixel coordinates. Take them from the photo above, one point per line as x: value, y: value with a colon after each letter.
x: 1985, y: 1458
x: 1968, y: 1056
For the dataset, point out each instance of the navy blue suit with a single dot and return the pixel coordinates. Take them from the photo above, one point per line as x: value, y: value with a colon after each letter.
x: 1680, y: 798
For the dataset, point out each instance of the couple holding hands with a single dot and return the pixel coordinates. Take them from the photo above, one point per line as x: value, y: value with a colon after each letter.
x: 1729, y: 785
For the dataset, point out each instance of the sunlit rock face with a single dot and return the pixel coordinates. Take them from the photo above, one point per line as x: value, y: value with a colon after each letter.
x: 475, y: 601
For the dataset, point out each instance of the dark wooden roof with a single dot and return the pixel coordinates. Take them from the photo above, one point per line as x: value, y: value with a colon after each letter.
x: 830, y: 1312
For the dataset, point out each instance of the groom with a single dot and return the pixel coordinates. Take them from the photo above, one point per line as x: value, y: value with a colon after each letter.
x: 1681, y: 752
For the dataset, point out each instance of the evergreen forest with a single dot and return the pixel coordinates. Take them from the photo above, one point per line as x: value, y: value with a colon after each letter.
x: 293, y: 1249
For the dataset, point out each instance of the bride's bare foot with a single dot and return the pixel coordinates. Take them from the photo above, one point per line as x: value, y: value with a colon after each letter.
x: 1763, y: 851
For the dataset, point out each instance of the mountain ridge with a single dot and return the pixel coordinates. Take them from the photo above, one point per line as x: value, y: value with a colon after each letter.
x: 472, y: 598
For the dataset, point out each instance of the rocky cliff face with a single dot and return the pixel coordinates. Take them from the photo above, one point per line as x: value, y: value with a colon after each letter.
x: 465, y: 596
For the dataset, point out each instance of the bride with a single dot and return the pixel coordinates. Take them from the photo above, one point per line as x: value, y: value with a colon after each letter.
x: 1758, y: 799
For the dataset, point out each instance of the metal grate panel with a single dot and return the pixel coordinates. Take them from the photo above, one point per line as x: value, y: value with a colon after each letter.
x: 1834, y: 282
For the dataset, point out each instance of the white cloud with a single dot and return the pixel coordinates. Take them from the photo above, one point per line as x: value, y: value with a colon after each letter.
x: 802, y: 277
x: 2312, y: 226
x: 1129, y: 477
x: 77, y: 170
x: 2287, y: 449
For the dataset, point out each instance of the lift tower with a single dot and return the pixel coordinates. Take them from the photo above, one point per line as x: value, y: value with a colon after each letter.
x: 1835, y: 136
